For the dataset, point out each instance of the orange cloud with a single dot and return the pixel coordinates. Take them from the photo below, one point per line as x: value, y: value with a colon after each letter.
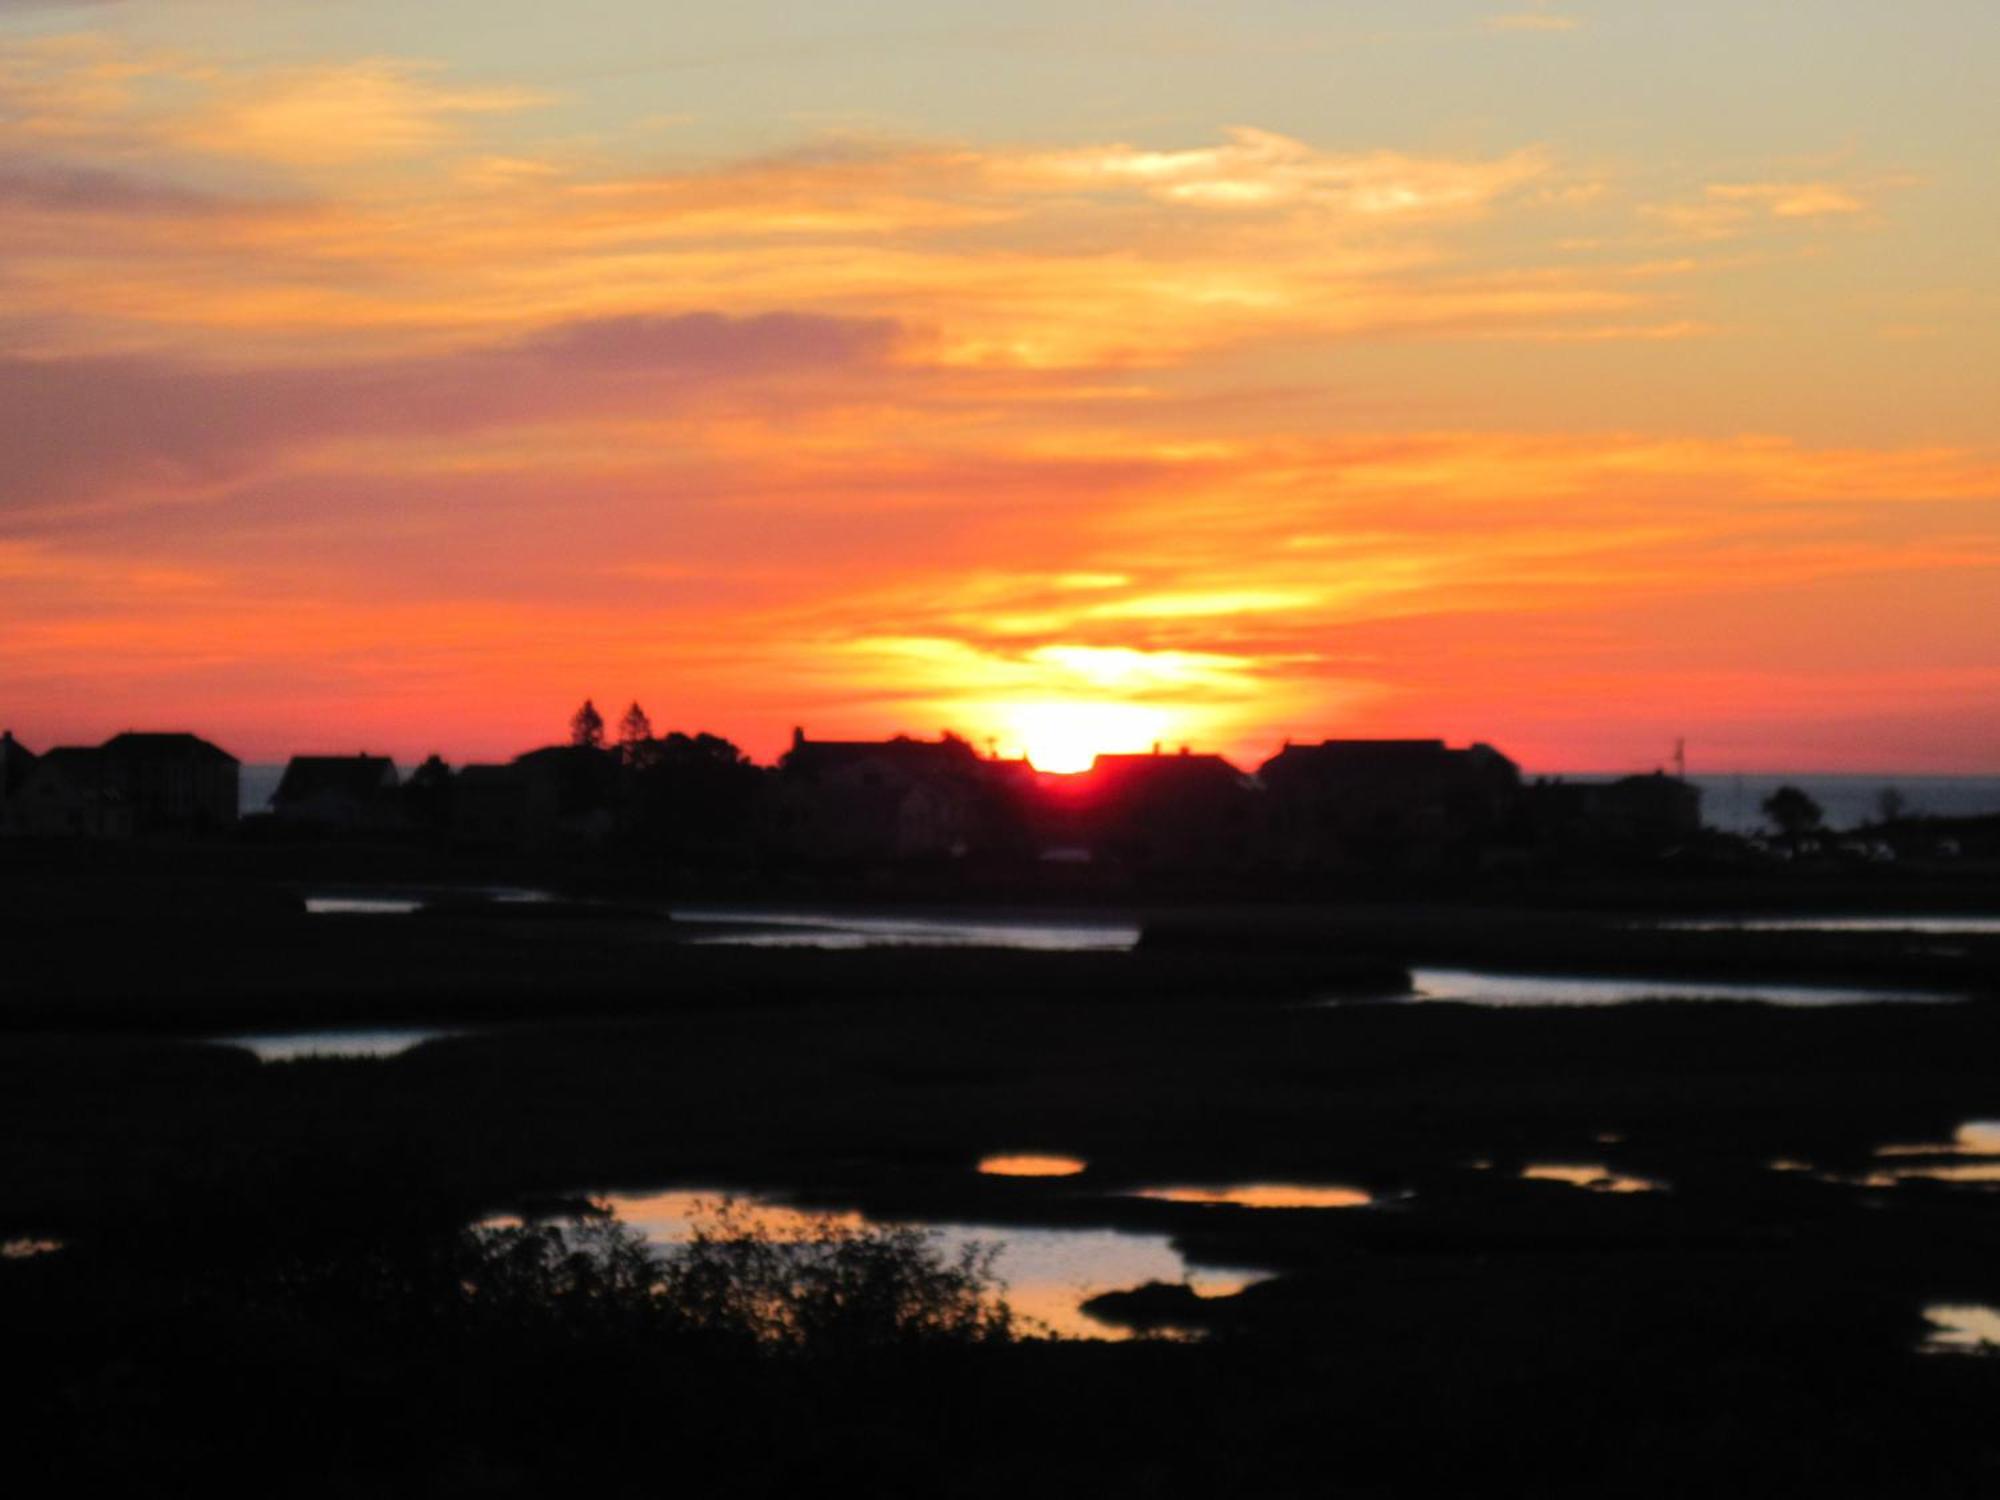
x: 372, y: 111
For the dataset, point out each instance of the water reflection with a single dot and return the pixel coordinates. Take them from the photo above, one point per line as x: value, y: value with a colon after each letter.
x: 27, y: 1248
x: 1934, y: 924
x: 291, y: 1046
x: 1594, y: 1176
x: 1972, y: 1155
x: 1474, y: 987
x: 403, y: 901
x: 1264, y: 1195
x: 828, y: 929
x: 1973, y: 1138
x: 1972, y: 1172
x: 1031, y: 1166
x: 1048, y: 1273
x: 1962, y: 1328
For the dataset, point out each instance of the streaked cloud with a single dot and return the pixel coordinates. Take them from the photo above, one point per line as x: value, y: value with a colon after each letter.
x: 1533, y: 20
x: 374, y: 111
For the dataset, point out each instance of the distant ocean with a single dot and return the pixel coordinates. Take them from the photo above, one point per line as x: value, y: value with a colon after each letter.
x: 1729, y: 802
x: 1735, y: 803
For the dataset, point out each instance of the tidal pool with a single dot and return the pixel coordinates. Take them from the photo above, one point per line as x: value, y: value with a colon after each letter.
x: 1263, y: 1195
x: 1594, y: 1176
x: 1962, y: 1328
x: 1031, y: 1166
x: 394, y: 903
x: 293, y: 1045
x: 1972, y: 1155
x: 1973, y: 1138
x: 830, y: 929
x: 1941, y: 925
x: 1477, y: 987
x: 1048, y: 1273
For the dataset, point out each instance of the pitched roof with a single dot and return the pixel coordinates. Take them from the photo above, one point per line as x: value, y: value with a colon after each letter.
x: 359, y: 777
x: 815, y: 756
x: 16, y: 761
x: 1378, y: 757
x: 1184, y: 763
x: 179, y: 743
x: 72, y: 759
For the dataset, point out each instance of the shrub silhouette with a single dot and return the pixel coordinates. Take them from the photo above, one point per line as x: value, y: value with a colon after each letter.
x: 834, y: 1290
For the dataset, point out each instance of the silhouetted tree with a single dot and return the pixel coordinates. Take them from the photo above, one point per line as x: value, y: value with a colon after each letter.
x: 586, y: 726
x: 1890, y: 805
x: 1792, y: 812
x: 635, y: 733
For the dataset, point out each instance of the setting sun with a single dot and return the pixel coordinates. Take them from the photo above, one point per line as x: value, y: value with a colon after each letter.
x: 1067, y: 737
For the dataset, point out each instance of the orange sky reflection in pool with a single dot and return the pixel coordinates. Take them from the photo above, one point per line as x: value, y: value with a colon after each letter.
x: 1962, y: 1328
x: 1030, y: 1166
x: 1591, y: 1175
x: 1973, y: 1138
x: 1973, y: 1172
x: 1264, y: 1195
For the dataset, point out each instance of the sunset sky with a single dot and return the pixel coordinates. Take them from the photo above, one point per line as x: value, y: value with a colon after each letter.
x: 1572, y: 376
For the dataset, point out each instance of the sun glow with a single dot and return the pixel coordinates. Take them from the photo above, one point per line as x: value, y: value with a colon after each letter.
x: 1066, y: 737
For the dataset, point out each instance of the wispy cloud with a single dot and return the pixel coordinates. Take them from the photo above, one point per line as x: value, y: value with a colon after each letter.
x: 1533, y: 20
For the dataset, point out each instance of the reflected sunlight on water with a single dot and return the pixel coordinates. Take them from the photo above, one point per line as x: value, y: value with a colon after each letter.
x: 1973, y: 1172
x: 1920, y: 1162
x: 1031, y: 1166
x: 370, y: 906
x: 1973, y: 1138
x: 1264, y: 1195
x: 1945, y: 925
x: 828, y: 929
x: 1475, y: 987
x: 1595, y: 1176
x: 292, y: 1046
x: 1962, y: 1328
x: 28, y: 1247
x: 402, y: 902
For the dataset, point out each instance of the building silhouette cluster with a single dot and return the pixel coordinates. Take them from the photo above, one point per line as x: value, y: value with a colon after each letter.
x: 132, y: 784
x: 1341, y: 804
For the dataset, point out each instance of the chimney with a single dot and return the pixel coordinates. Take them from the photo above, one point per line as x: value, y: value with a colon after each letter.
x: 798, y: 737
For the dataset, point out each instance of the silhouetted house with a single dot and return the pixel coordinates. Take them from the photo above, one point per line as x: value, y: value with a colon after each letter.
x: 71, y: 793
x: 495, y: 805
x: 1385, y: 801
x: 174, y: 783
x: 580, y: 782
x: 17, y: 761
x: 690, y: 799
x: 338, y: 791
x: 1171, y: 812
x: 560, y: 794
x: 1635, y: 812
x: 867, y: 801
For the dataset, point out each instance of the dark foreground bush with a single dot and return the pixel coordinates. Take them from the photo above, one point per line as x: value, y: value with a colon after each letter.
x: 833, y: 1290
